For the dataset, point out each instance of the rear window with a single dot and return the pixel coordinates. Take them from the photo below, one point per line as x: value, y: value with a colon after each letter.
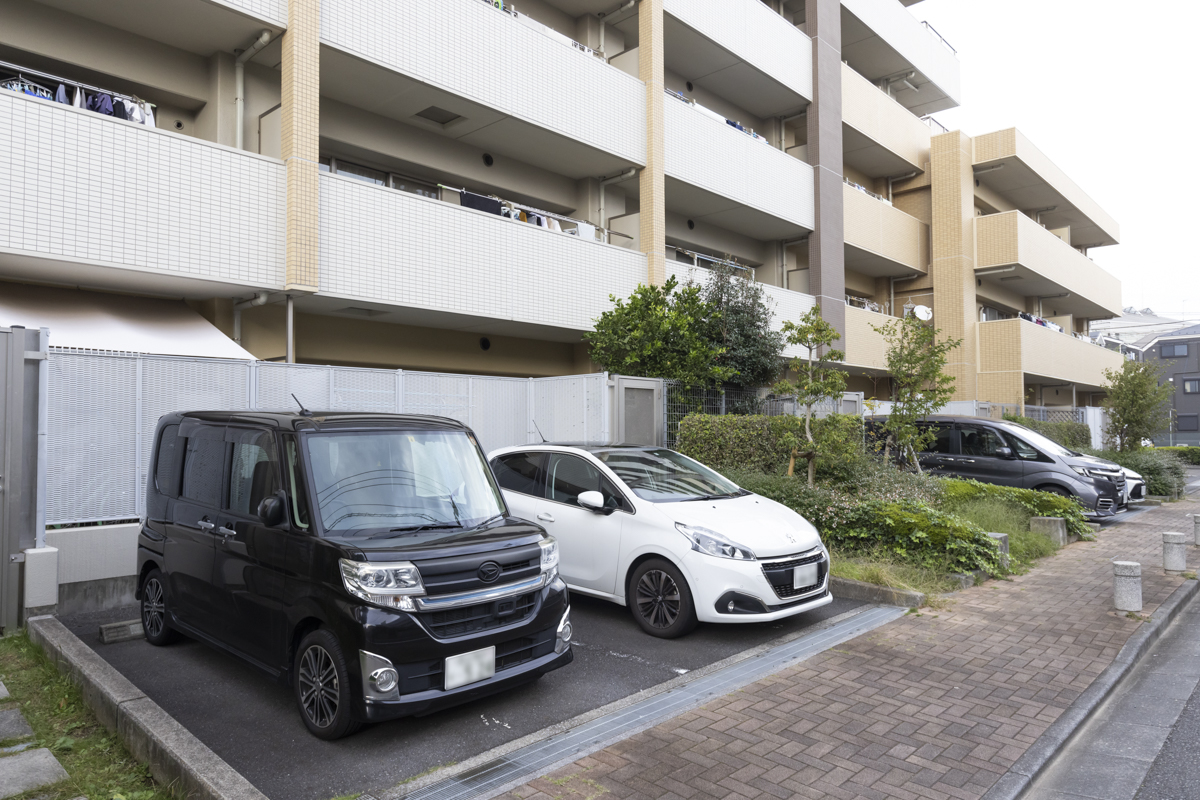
x: 166, y: 466
x: 204, y: 466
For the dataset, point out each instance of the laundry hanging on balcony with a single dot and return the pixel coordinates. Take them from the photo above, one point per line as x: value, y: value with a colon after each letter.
x: 1045, y: 323
x: 90, y: 98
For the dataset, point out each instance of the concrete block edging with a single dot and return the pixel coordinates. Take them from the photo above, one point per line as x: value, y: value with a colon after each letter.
x: 1013, y: 784
x: 176, y: 758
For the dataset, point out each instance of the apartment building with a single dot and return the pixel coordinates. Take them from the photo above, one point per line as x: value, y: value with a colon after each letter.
x: 461, y: 185
x: 1177, y: 355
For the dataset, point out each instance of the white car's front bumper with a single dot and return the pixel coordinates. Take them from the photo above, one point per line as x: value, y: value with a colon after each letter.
x: 715, y: 582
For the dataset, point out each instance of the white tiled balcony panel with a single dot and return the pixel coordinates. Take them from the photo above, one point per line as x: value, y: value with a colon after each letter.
x: 80, y: 191
x: 275, y: 11
x: 740, y: 49
x: 733, y: 180
x: 470, y: 267
x: 512, y: 84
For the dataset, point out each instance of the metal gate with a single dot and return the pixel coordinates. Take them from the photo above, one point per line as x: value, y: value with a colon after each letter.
x: 104, y: 406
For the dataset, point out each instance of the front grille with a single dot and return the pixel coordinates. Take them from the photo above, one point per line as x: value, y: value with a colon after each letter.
x: 780, y: 574
x: 457, y: 574
x: 480, y: 617
x: 1105, y: 504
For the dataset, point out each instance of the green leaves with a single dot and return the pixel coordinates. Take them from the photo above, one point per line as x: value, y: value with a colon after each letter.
x: 660, y: 332
x: 753, y: 348
x: 1138, y: 407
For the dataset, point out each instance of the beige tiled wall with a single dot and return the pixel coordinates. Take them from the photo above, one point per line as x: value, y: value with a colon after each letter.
x: 300, y: 141
x: 1014, y: 351
x: 953, y: 263
x: 652, y: 180
x: 875, y: 226
x: 881, y: 119
x: 864, y: 346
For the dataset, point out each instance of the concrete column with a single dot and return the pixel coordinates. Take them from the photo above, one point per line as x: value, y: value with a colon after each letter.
x: 1196, y: 528
x: 953, y: 263
x: 826, y: 257
x: 652, y: 185
x: 1174, y: 552
x: 1127, y: 585
x: 300, y: 141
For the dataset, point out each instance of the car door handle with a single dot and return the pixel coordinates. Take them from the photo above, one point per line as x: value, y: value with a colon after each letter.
x: 546, y: 517
x: 205, y: 525
x: 226, y: 531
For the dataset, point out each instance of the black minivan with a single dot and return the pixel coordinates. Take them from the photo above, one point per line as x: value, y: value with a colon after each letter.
x: 368, y: 560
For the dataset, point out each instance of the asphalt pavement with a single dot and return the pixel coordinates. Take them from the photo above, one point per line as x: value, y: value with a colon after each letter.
x: 252, y: 722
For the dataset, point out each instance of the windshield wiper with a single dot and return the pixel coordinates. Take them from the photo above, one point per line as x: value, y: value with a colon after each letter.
x: 417, y: 529
x: 715, y: 496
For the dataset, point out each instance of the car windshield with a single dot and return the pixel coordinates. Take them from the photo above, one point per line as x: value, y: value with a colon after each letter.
x: 664, y: 476
x: 1042, y: 443
x: 397, y: 481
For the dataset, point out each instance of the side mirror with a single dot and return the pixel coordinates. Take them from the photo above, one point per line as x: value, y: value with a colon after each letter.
x: 271, y: 510
x: 1005, y: 452
x: 592, y: 501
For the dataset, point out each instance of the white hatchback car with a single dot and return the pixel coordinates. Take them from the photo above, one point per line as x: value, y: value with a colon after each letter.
x: 661, y: 533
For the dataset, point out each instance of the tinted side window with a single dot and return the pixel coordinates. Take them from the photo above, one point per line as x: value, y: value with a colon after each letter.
x: 520, y: 472
x: 941, y: 440
x: 204, y: 466
x: 166, y: 466
x: 980, y: 440
x: 254, y: 471
x: 570, y: 476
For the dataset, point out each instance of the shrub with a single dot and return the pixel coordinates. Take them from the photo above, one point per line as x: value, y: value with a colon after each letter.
x: 1189, y: 454
x: 995, y: 514
x: 1039, y: 504
x: 1164, y: 471
x: 1075, y: 435
x: 759, y: 443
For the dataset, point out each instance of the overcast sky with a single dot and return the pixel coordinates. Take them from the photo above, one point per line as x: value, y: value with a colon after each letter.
x: 1100, y: 87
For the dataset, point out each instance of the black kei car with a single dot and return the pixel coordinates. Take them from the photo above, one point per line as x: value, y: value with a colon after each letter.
x: 368, y: 560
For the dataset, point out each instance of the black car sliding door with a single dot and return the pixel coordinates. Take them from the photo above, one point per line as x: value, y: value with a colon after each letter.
x: 191, y: 529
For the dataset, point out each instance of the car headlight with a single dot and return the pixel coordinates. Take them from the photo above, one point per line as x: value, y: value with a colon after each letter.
x: 1082, y: 471
x: 549, y: 556
x: 714, y: 544
x: 391, y: 585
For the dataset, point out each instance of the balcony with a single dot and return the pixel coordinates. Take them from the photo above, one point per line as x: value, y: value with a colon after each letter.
x: 883, y: 41
x: 1042, y: 355
x: 879, y: 136
x: 487, y: 80
x: 95, y: 201
x: 865, y: 347
x: 881, y: 240
x: 721, y: 175
x: 740, y: 50
x: 1021, y: 256
x: 398, y: 257
x: 1008, y: 164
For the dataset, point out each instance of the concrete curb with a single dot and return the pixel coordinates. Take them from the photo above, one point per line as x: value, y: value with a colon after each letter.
x: 177, y: 759
x: 871, y: 593
x: 1019, y: 777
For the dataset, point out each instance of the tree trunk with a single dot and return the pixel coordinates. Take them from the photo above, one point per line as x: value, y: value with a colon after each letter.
x: 812, y: 470
x: 792, y: 463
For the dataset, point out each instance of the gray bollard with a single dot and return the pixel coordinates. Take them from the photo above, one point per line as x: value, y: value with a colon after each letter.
x: 1174, y: 552
x: 1127, y: 585
x: 1196, y: 527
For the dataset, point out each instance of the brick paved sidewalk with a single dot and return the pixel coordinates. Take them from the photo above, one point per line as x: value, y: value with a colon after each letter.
x: 937, y: 705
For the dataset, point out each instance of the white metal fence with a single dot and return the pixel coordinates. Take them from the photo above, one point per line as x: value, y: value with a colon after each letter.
x: 104, y: 406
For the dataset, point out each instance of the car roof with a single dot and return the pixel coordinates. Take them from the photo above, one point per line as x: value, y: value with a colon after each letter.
x: 584, y: 446
x: 950, y: 418
x: 319, y: 420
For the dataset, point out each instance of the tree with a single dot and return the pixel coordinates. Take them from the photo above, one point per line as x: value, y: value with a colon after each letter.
x: 816, y: 377
x: 753, y: 349
x: 660, y: 333
x: 1138, y: 406
x: 916, y: 361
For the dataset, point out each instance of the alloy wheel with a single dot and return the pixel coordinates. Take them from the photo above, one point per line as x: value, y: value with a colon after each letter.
x: 658, y: 599
x: 319, y: 691
x: 153, y: 608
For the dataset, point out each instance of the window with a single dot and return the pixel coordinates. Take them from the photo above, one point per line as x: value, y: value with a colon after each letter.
x: 364, y: 174
x: 1187, y: 423
x: 412, y: 186
x: 1191, y: 386
x: 253, y: 473
x: 1174, y: 351
x: 204, y: 465
x: 941, y: 440
x: 1024, y: 451
x: 570, y: 477
x: 166, y: 468
x: 980, y: 440
x: 520, y: 472
x: 664, y: 476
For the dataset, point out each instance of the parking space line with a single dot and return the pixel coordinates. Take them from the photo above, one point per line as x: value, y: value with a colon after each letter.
x: 514, y: 768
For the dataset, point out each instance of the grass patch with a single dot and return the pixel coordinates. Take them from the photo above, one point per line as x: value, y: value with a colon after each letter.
x: 98, y: 764
x: 884, y: 569
x: 1000, y: 516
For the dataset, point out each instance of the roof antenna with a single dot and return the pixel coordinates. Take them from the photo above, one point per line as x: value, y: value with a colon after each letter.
x: 304, y: 412
x: 539, y: 430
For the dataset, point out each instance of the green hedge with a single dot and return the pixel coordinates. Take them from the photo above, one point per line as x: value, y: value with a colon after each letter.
x: 1074, y: 435
x: 1189, y: 454
x: 764, y: 444
x: 1163, y: 470
x: 1041, y: 504
x: 911, y: 529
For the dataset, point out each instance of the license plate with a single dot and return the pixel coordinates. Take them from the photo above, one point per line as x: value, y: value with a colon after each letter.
x: 478, y: 665
x: 804, y: 575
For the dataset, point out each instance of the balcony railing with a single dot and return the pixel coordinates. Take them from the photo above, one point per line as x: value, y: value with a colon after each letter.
x: 941, y: 38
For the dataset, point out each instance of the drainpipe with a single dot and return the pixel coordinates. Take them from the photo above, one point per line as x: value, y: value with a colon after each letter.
x: 239, y: 80
x: 603, y: 24
x: 291, y: 333
x: 903, y: 177
x: 260, y: 298
x: 43, y: 423
x: 783, y: 246
x: 627, y: 174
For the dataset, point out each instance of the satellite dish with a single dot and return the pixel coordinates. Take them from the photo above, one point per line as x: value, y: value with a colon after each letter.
x: 923, y: 313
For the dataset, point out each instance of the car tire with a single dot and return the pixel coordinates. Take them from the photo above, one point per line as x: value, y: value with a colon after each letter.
x: 661, y: 600
x: 155, y: 620
x: 322, y: 686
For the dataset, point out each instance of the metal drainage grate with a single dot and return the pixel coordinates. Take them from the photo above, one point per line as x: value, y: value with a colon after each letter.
x: 536, y: 759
